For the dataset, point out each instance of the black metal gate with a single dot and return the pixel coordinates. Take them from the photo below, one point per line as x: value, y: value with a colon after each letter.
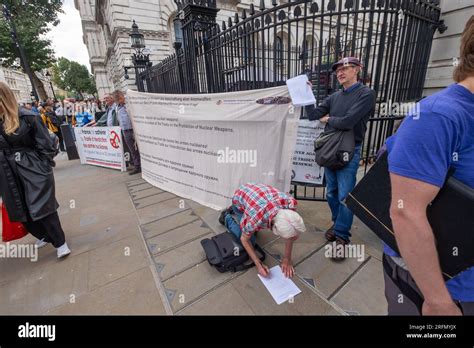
x: 263, y: 47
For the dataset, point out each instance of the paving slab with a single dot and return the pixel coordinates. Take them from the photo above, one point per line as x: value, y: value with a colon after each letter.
x: 168, y: 223
x: 161, y: 210
x: 362, y: 234
x: 326, y: 274
x: 140, y: 187
x: 181, y: 258
x: 148, y: 201
x: 251, y: 288
x: 265, y: 237
x: 364, y: 293
x: 134, y: 294
x: 192, y: 284
x: 208, y: 215
x: 116, y: 260
x: 45, y: 287
x: 176, y: 237
x: 103, y: 233
x: 307, y: 243
x: 145, y: 193
x: 225, y: 300
x: 135, y: 182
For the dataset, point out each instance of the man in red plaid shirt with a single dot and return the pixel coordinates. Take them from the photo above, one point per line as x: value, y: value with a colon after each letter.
x: 257, y: 206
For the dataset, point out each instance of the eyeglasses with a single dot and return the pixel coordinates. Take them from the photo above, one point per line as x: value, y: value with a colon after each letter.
x: 343, y: 69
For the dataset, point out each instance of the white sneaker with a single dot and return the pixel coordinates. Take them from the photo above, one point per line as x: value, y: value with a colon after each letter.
x: 63, y: 251
x: 40, y: 243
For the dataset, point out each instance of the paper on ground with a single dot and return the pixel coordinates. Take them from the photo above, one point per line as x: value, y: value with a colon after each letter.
x: 280, y: 287
x: 300, y: 92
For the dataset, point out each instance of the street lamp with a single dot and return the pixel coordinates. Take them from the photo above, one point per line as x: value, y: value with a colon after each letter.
x: 48, y: 75
x: 137, y: 38
x: 141, y: 58
x: 21, y: 53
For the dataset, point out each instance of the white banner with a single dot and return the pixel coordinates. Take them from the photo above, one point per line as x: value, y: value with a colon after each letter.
x: 204, y: 146
x: 305, y: 168
x: 100, y: 146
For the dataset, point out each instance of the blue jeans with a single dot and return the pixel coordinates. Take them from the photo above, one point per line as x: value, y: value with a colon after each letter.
x: 338, y: 185
x: 233, y: 224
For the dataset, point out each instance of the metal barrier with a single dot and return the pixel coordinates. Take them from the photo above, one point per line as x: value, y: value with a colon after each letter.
x: 264, y: 47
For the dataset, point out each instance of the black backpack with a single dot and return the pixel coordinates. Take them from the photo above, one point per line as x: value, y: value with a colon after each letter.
x: 226, y: 253
x: 335, y: 148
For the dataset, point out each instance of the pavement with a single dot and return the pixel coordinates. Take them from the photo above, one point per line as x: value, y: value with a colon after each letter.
x: 136, y: 251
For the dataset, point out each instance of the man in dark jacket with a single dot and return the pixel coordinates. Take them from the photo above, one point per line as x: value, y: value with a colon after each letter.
x: 349, y: 108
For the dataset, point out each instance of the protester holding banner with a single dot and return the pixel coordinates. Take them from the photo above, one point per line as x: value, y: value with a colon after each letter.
x: 257, y: 206
x: 26, y: 174
x: 347, y: 109
x: 122, y: 118
x: 434, y: 139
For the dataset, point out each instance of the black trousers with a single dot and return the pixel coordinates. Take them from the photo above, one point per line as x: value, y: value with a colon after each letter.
x: 48, y: 228
x: 61, y: 140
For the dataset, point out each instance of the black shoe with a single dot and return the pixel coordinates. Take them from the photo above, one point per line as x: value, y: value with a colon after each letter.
x: 135, y: 171
x: 338, y: 244
x: 223, y: 215
x: 330, y: 234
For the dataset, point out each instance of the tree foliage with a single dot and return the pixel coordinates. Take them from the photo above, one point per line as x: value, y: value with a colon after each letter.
x: 33, y: 19
x: 73, y: 77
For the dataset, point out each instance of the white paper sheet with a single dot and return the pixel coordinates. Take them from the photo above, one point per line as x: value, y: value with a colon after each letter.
x: 300, y: 92
x: 281, y: 288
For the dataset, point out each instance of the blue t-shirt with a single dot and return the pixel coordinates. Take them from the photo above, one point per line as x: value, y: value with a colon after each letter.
x: 437, y: 135
x: 83, y: 118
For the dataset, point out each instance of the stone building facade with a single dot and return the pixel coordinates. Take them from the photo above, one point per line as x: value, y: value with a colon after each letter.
x: 19, y: 83
x: 445, y: 50
x: 107, y: 25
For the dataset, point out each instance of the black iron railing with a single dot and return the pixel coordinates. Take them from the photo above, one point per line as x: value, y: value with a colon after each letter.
x: 263, y: 47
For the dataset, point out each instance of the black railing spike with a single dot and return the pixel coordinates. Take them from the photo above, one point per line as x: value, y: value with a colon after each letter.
x: 224, y: 26
x: 274, y: 3
x: 244, y: 14
x: 252, y: 9
x: 332, y: 5
x: 236, y: 20
x: 262, y: 5
x: 314, y: 7
x: 230, y: 22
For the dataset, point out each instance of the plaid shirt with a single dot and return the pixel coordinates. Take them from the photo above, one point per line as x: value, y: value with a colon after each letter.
x: 259, y: 204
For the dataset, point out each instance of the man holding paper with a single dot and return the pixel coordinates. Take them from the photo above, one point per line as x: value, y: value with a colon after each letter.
x: 349, y: 108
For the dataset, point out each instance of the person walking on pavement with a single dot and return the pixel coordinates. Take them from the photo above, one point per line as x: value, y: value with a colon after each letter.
x: 26, y: 173
x: 121, y: 118
x: 349, y: 108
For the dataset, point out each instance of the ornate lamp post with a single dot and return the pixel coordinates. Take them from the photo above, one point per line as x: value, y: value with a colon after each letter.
x: 48, y: 75
x: 140, y: 59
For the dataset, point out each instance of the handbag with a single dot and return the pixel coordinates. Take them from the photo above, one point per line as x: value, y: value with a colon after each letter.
x: 334, y: 149
x: 11, y: 230
x: 227, y: 254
